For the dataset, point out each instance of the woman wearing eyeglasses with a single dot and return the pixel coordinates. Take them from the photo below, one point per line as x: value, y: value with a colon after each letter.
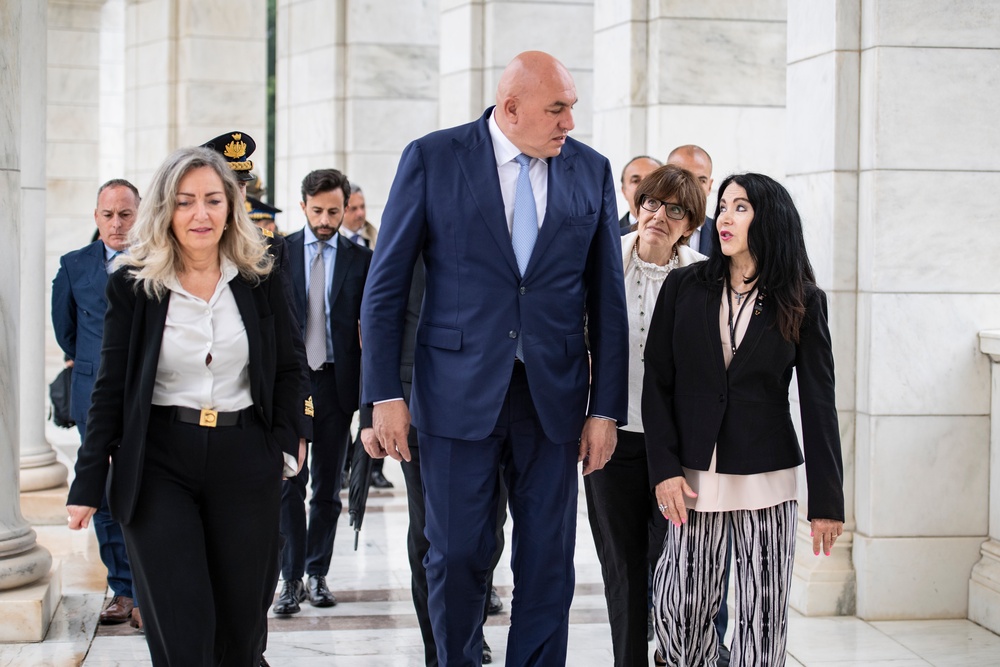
x: 620, y: 505
x: 724, y: 339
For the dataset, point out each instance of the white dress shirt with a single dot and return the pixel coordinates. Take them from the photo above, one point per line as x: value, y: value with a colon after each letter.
x: 508, y: 169
x: 193, y: 330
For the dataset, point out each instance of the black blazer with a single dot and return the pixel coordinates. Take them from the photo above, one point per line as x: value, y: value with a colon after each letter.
x: 691, y: 402
x: 123, y: 393
x: 350, y: 270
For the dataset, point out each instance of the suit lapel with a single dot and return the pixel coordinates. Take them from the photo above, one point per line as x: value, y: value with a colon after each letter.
x: 344, y: 257
x: 713, y: 336
x: 559, y: 193
x: 478, y: 163
x: 296, y: 261
x: 248, y: 311
x: 99, y: 271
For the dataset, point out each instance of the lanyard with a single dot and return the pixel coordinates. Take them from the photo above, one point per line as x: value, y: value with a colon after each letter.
x: 742, y: 299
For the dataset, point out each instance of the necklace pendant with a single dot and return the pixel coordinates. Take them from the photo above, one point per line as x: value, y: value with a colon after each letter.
x: 739, y: 297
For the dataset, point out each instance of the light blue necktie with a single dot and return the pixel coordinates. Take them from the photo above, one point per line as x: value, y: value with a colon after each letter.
x: 524, y: 231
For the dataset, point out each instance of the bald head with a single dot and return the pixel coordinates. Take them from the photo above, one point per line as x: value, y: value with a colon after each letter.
x: 535, y: 99
x: 633, y: 173
x: 696, y: 160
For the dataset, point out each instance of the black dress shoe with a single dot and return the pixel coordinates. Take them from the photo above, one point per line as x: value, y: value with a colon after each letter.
x: 379, y: 481
x: 487, y: 653
x: 319, y: 594
x: 292, y: 593
x: 496, y: 605
x: 723, y: 656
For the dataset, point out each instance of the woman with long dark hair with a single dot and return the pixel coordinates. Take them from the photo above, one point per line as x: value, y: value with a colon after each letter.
x: 724, y: 339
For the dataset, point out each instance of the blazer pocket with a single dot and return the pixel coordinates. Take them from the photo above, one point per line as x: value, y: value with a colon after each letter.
x: 588, y: 219
x: 83, y: 367
x: 442, y: 337
x: 576, y: 345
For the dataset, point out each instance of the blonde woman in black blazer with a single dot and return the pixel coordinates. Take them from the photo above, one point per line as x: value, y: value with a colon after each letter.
x: 724, y: 339
x: 196, y: 404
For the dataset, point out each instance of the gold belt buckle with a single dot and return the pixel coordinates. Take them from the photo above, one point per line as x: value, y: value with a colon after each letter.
x: 208, y: 418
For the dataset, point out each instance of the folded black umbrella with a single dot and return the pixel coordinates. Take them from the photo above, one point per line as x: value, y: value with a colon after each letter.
x: 357, y: 495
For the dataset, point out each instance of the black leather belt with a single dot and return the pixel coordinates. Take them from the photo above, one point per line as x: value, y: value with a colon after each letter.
x: 211, y: 418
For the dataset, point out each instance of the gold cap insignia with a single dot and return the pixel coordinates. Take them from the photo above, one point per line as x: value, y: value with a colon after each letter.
x: 267, y: 232
x: 235, y: 148
x: 309, y: 407
x: 247, y: 206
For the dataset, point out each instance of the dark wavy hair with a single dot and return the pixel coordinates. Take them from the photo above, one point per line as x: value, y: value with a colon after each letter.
x: 777, y: 248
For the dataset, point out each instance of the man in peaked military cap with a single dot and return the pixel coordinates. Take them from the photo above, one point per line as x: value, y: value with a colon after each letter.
x: 262, y: 214
x: 237, y: 147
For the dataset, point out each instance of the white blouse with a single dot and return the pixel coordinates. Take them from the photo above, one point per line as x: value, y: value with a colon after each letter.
x: 642, y: 285
x: 204, y: 356
x: 726, y: 493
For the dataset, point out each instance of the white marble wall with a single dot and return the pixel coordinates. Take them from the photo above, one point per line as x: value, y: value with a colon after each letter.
x: 927, y: 284
x: 822, y: 176
x: 479, y: 38
x: 675, y: 72
x: 356, y: 81
x: 193, y: 70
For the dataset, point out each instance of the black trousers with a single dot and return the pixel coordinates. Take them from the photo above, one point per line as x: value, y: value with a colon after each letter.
x: 308, y: 551
x: 628, y: 533
x: 203, y: 538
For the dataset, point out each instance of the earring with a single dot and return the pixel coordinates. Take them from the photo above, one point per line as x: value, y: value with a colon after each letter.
x: 225, y: 227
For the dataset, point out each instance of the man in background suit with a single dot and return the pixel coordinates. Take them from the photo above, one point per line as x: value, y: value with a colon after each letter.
x: 637, y: 169
x: 328, y: 275
x: 517, y: 226
x: 696, y: 160
x: 78, y: 307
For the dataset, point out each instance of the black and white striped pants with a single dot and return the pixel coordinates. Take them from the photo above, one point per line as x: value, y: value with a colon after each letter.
x: 687, y: 586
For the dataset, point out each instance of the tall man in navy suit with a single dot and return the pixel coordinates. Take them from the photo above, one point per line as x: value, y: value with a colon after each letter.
x: 518, y: 228
x: 78, y: 307
x: 328, y: 274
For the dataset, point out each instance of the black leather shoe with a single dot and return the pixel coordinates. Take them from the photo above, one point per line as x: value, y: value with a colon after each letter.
x: 487, y: 653
x: 292, y: 593
x: 496, y: 605
x: 319, y: 594
x: 649, y: 626
x: 379, y: 481
x: 723, y: 656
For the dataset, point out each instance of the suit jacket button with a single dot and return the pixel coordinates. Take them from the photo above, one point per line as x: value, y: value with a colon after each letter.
x: 523, y: 289
x: 512, y: 334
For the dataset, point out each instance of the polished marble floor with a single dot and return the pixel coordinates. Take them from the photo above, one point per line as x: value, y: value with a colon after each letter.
x: 373, y: 624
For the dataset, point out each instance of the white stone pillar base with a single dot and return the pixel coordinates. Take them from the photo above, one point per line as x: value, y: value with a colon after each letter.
x: 23, y: 567
x: 27, y: 611
x: 984, y: 588
x: 46, y: 507
x: 823, y: 585
x: 41, y: 471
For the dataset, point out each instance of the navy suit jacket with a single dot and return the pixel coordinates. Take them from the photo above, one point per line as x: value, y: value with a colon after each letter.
x: 705, y: 240
x: 78, y: 307
x: 446, y: 203
x: 350, y: 270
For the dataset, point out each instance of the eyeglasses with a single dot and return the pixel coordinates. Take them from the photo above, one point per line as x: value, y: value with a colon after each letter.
x: 674, y: 211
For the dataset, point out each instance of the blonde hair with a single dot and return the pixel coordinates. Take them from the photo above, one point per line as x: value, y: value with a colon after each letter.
x: 154, y: 253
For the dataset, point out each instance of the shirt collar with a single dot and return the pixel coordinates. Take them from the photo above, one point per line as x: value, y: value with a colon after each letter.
x: 108, y: 252
x: 310, y: 238
x: 504, y: 149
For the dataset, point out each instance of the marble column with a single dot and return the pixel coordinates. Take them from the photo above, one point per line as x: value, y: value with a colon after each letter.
x: 621, y: 77
x: 984, y: 585
x: 193, y: 70
x: 29, y: 596
x: 822, y: 176
x: 479, y: 38
x: 715, y: 74
x: 356, y: 82
x: 927, y: 285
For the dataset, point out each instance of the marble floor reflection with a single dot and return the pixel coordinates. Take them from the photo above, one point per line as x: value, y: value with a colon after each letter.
x: 373, y: 624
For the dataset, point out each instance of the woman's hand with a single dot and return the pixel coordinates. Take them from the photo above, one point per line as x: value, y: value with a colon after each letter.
x: 302, y: 455
x: 79, y: 516
x: 670, y: 499
x: 824, y: 533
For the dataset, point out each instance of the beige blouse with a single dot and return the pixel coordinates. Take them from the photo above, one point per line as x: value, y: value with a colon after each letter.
x: 725, y: 493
